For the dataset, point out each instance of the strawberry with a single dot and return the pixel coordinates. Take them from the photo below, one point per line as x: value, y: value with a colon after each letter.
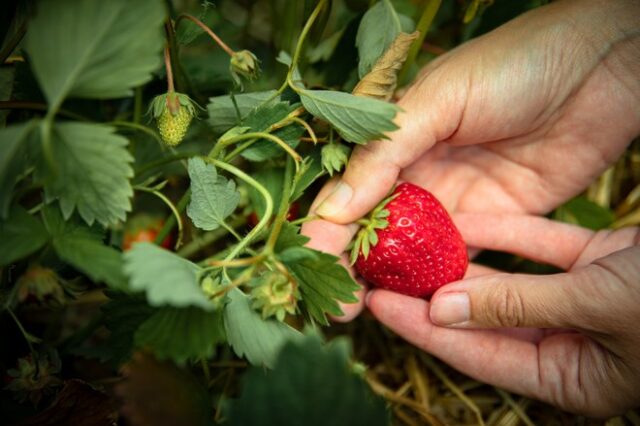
x: 173, y: 112
x: 409, y: 244
x: 144, y: 228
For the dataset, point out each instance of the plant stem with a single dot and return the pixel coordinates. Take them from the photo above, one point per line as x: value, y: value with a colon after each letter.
x: 24, y: 333
x: 162, y: 161
x: 281, y: 216
x: 174, y: 210
x: 301, y: 39
x: 167, y: 65
x: 208, y: 238
x: 171, y: 221
x: 258, y: 135
x: 267, y: 199
x: 428, y: 14
x: 208, y: 30
x: 136, y: 126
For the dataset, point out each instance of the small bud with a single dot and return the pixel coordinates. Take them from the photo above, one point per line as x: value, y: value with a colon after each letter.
x: 274, y: 295
x: 41, y: 285
x: 244, y: 64
x: 334, y: 157
x: 173, y: 113
x: 31, y: 381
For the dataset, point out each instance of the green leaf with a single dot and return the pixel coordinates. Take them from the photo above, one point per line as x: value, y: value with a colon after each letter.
x: 260, y: 120
x: 272, y: 180
x: 213, y: 197
x: 311, y: 170
x: 13, y: 160
x: 103, y: 48
x: 310, y: 381
x: 167, y: 278
x: 581, y: 211
x: 223, y: 114
x: 90, y: 173
x: 256, y: 339
x: 22, y: 234
x: 378, y: 28
x: 181, y: 334
x: 321, y: 279
x: 83, y: 248
x: 123, y: 315
x: 356, y: 118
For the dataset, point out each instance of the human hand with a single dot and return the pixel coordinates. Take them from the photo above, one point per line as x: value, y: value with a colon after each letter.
x: 516, y: 121
x: 577, y: 336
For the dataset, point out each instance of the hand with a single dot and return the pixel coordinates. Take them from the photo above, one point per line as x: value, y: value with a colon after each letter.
x: 576, y: 345
x: 517, y: 121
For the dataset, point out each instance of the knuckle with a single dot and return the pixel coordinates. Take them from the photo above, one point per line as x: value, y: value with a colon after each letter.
x: 506, y: 307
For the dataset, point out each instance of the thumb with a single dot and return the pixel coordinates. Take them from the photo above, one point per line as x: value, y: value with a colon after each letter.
x: 510, y: 300
x: 374, y: 168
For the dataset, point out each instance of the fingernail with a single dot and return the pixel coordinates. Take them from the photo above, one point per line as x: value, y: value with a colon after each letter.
x: 450, y: 309
x: 336, y: 201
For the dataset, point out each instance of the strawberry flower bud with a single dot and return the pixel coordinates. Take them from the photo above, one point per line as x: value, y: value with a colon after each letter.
x: 334, y: 157
x: 274, y: 295
x: 244, y: 64
x: 173, y: 113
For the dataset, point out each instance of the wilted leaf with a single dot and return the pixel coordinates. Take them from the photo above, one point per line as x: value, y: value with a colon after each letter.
x: 102, y: 48
x: 78, y: 403
x: 213, y: 197
x: 156, y: 393
x: 252, y: 337
x: 310, y: 381
x: 381, y: 81
x: 378, y: 28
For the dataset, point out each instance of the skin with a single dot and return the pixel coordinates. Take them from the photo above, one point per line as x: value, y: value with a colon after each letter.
x: 503, y: 129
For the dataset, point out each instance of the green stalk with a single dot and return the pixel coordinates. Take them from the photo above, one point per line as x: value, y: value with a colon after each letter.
x: 138, y: 127
x: 301, y: 39
x: 281, y: 216
x: 267, y: 199
x: 162, y: 161
x: 174, y: 210
x: 171, y: 221
x: 428, y: 14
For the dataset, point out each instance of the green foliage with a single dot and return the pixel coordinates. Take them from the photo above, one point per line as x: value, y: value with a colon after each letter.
x: 123, y: 315
x: 322, y: 281
x: 108, y: 47
x: 581, y: 211
x: 90, y: 171
x: 181, y: 334
x: 310, y: 381
x: 213, y: 197
x: 378, y: 28
x: 22, y: 234
x: 272, y: 179
x: 165, y: 277
x: 256, y: 339
x: 223, y: 114
x: 12, y: 158
x: 356, y: 118
x: 82, y: 247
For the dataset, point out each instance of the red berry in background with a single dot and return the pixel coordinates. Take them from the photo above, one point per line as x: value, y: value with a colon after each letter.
x: 144, y: 228
x: 410, y: 245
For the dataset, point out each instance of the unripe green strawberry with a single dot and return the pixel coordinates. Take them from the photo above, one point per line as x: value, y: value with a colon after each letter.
x: 173, y: 113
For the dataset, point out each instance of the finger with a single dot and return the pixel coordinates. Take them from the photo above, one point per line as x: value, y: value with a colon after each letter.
x: 373, y: 168
x: 511, y: 300
x: 532, y: 237
x: 488, y: 356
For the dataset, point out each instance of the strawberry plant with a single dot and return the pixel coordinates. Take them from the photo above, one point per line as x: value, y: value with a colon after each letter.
x: 157, y: 160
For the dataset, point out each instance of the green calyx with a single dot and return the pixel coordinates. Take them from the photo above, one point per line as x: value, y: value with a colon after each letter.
x: 274, y: 294
x: 334, y: 157
x: 173, y: 102
x: 367, y: 236
x: 244, y: 64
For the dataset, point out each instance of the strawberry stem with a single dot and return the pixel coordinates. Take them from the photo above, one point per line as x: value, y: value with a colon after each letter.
x: 167, y: 64
x: 208, y: 30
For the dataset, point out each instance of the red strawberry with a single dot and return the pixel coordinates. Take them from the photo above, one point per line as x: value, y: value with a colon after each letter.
x: 144, y: 228
x: 410, y: 245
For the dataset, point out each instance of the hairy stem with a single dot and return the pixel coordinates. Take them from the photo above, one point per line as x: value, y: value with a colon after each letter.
x: 208, y: 30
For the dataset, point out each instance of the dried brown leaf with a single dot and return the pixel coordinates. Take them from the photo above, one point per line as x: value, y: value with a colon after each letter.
x: 159, y: 393
x: 381, y: 81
